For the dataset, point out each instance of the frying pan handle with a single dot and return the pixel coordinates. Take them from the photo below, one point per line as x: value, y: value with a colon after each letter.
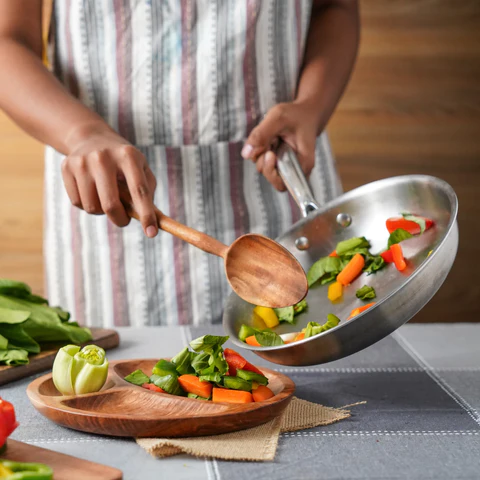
x: 294, y: 179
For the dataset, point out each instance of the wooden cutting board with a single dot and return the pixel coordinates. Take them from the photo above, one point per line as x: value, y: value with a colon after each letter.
x: 65, y: 467
x: 42, y: 361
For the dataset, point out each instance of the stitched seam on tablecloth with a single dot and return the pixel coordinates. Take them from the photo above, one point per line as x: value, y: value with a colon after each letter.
x: 376, y: 370
x: 408, y: 347
x: 68, y: 440
x: 400, y: 433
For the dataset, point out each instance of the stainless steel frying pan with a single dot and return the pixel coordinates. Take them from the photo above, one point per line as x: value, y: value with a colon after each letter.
x: 360, y: 212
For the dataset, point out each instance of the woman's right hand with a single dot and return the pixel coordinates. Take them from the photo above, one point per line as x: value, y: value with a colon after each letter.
x: 93, y: 170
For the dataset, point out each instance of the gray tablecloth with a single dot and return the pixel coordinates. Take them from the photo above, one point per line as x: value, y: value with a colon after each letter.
x: 422, y: 387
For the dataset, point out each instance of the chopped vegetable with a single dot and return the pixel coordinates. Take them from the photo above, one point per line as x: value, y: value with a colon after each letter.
x: 207, y: 343
x: 268, y: 315
x: 299, y: 337
x: 24, y: 471
x: 285, y: 314
x: 224, y: 395
x: 253, y: 377
x: 237, y: 383
x: 353, y: 246
x: 365, y: 293
x: 211, y: 377
x: 398, y: 236
x: 8, y: 422
x: 234, y: 361
x: 398, y: 258
x: 357, y: 311
x: 246, y: 331
x: 324, y: 270
x: 335, y: 291
x: 300, y: 307
x: 373, y: 263
x: 268, y: 339
x: 252, y: 368
x: 192, y: 395
x: 252, y: 340
x: 352, y: 270
x: 183, y: 361
x: 314, y: 328
x: 333, y: 254
x: 387, y: 256
x: 192, y: 384
x: 168, y: 383
x: 413, y: 224
x: 138, y: 378
x: 153, y: 388
x: 262, y: 393
x: 78, y: 371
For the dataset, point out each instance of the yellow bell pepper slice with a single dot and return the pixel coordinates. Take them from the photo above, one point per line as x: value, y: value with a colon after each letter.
x: 335, y: 291
x: 268, y: 315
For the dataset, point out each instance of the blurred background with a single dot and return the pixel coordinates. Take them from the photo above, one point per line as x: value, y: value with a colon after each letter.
x: 413, y: 106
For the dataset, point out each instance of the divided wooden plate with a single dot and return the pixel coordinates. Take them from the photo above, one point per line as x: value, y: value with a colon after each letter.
x: 42, y: 361
x: 123, y: 409
x: 65, y: 467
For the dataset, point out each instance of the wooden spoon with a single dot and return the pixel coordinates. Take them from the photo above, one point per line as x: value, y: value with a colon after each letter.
x: 259, y: 270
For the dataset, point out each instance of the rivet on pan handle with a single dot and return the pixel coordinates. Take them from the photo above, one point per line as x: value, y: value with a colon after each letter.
x: 294, y: 179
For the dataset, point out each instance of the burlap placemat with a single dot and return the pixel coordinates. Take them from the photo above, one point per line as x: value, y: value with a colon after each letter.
x: 254, y: 444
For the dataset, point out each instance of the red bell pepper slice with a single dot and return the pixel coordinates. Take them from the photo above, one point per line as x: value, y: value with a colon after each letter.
x: 7, y: 417
x: 387, y: 256
x: 153, y: 388
x: 409, y: 225
x: 237, y: 362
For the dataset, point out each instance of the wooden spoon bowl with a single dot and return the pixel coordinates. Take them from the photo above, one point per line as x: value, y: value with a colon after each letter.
x: 125, y: 410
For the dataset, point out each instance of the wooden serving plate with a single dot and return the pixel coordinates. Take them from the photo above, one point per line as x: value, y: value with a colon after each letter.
x: 42, y: 361
x: 65, y: 467
x: 125, y: 410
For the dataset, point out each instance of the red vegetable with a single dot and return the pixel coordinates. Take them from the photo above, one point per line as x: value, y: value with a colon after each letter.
x: 387, y: 256
x: 153, y: 388
x: 409, y: 225
x: 251, y: 340
x: 237, y: 362
x: 8, y: 422
x: 252, y: 368
x: 398, y: 258
x: 333, y: 254
x: 357, y: 311
x: 262, y: 393
x: 352, y: 270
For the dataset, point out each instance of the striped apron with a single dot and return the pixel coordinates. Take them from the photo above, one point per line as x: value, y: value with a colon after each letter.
x: 184, y: 81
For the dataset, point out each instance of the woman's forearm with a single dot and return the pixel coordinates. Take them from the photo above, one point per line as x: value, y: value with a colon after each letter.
x: 39, y: 103
x: 330, y: 52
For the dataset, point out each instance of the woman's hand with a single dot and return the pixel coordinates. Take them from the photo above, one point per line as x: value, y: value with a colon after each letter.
x: 297, y: 124
x: 93, y: 170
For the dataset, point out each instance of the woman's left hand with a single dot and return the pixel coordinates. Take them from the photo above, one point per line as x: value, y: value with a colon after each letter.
x: 295, y: 123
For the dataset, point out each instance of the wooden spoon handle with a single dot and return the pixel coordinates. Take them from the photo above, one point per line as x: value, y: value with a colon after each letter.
x: 194, y: 237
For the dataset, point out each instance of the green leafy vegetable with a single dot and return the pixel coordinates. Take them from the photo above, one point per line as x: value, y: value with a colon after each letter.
x: 398, y: 236
x: 324, y: 270
x: 192, y: 395
x: 183, y: 362
x: 352, y: 246
x: 269, y: 339
x: 418, y: 220
x: 211, y: 377
x: 246, y: 331
x: 14, y: 356
x: 18, y: 338
x: 237, y: 383
x: 252, y: 376
x: 207, y: 343
x: 373, y: 263
x: 137, y: 378
x: 164, y: 367
x: 300, y: 307
x: 285, y: 314
x: 200, y: 362
x: 169, y: 383
x: 365, y: 293
x: 314, y: 328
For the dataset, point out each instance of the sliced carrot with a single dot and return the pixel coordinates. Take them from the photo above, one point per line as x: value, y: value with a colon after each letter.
x: 352, y: 270
x: 225, y: 395
x: 398, y: 258
x: 235, y: 361
x: 153, y: 388
x: 192, y: 384
x: 359, y: 310
x: 251, y: 340
x: 333, y: 254
x: 262, y: 393
x: 299, y: 337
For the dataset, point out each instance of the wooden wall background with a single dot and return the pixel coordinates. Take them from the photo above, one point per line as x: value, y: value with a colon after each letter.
x: 413, y: 106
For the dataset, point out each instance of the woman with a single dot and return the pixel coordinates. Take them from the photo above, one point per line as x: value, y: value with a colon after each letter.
x: 180, y: 100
